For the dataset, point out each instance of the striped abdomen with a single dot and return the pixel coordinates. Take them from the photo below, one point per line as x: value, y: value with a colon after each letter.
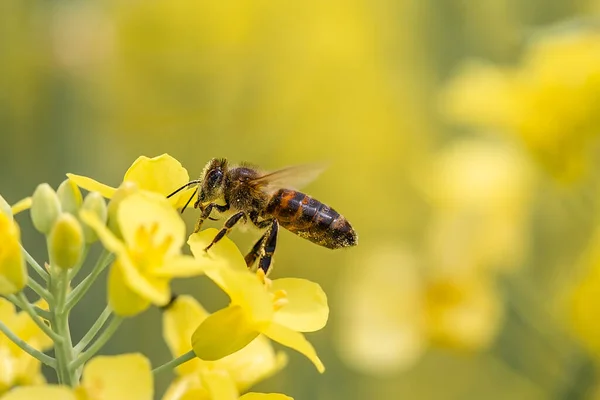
x: 311, y: 219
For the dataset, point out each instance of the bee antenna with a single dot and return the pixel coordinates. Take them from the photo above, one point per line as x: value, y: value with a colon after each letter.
x: 190, y: 199
x: 190, y: 183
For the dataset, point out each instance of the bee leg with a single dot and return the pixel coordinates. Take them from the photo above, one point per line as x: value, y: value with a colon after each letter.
x: 268, y: 247
x: 231, y: 221
x: 206, y: 214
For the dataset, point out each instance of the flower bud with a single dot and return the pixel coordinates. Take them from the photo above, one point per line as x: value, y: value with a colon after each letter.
x: 45, y: 208
x: 95, y: 203
x: 5, y: 208
x: 70, y: 196
x: 65, y: 243
x: 13, y: 272
x: 124, y: 190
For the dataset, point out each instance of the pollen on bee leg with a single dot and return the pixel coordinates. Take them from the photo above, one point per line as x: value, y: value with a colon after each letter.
x: 280, y: 299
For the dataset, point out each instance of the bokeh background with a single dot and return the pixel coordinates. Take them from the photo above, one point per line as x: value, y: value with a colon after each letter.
x: 462, y: 138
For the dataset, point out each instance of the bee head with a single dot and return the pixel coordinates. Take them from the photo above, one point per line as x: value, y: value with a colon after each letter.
x: 212, y: 179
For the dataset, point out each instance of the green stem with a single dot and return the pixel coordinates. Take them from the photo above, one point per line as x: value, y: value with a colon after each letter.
x: 21, y: 301
x: 83, y: 343
x: 98, y: 344
x: 64, y: 349
x: 44, y: 358
x: 45, y: 314
x: 190, y: 355
x: 34, y: 264
x: 40, y: 291
x: 81, y: 289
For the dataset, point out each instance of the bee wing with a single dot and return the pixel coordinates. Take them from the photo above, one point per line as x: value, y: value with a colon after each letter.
x: 294, y: 177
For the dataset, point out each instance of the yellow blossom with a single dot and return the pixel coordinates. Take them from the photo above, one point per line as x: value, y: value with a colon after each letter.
x: 549, y: 101
x: 148, y: 256
x: 16, y: 366
x: 162, y: 174
x: 13, y: 272
x: 279, y: 309
x: 480, y: 191
x: 236, y: 372
x: 394, y: 312
x: 122, y: 377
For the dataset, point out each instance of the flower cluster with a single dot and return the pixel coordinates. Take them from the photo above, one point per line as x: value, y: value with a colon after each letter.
x: 534, y: 100
x: 216, y: 356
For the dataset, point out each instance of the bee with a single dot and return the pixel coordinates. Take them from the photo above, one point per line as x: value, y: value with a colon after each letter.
x: 268, y: 200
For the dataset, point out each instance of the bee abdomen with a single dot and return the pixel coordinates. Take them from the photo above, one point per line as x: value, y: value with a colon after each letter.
x: 311, y: 219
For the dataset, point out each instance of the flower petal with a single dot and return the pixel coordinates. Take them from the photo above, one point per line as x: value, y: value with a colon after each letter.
x: 180, y: 320
x: 155, y: 290
x: 13, y: 272
x: 224, y: 251
x: 265, y: 396
x: 92, y: 185
x: 180, y: 267
x: 252, y: 364
x: 108, y: 239
x: 186, y: 387
x: 126, y: 377
x: 223, y: 333
x: 306, y: 309
x: 46, y: 392
x: 294, y: 340
x: 244, y: 290
x: 121, y: 298
x: 152, y: 212
x: 162, y: 174
x: 220, y: 385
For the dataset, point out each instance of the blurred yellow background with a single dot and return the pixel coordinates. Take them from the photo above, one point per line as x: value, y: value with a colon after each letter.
x: 462, y: 139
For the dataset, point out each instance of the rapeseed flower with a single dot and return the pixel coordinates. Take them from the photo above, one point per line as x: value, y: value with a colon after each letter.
x: 148, y: 256
x: 280, y: 309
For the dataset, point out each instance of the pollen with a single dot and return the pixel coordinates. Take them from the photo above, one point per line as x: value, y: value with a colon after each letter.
x: 280, y: 299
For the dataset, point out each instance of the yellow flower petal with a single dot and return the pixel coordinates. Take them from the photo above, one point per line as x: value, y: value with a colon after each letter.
x: 187, y: 387
x: 252, y: 364
x: 224, y: 251
x: 162, y: 174
x: 46, y: 392
x: 155, y: 290
x: 180, y: 320
x: 306, y: 309
x: 219, y: 385
x: 180, y: 267
x: 154, y: 213
x: 108, y: 239
x: 265, y: 396
x: 21, y: 205
x: 126, y: 377
x: 13, y: 272
x: 223, y: 333
x: 121, y: 298
x: 293, y: 340
x: 245, y: 290
x: 92, y: 185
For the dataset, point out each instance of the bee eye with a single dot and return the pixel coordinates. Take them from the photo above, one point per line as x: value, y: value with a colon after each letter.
x: 214, y: 177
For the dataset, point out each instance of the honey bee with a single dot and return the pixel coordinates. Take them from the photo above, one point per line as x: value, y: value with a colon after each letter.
x: 268, y: 200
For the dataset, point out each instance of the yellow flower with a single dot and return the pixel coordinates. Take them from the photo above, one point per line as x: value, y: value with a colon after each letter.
x: 122, y: 377
x: 235, y: 372
x: 16, y: 366
x: 279, y: 309
x: 162, y: 174
x: 149, y: 255
x: 550, y: 101
x: 480, y: 192
x: 13, y: 272
x: 392, y: 311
